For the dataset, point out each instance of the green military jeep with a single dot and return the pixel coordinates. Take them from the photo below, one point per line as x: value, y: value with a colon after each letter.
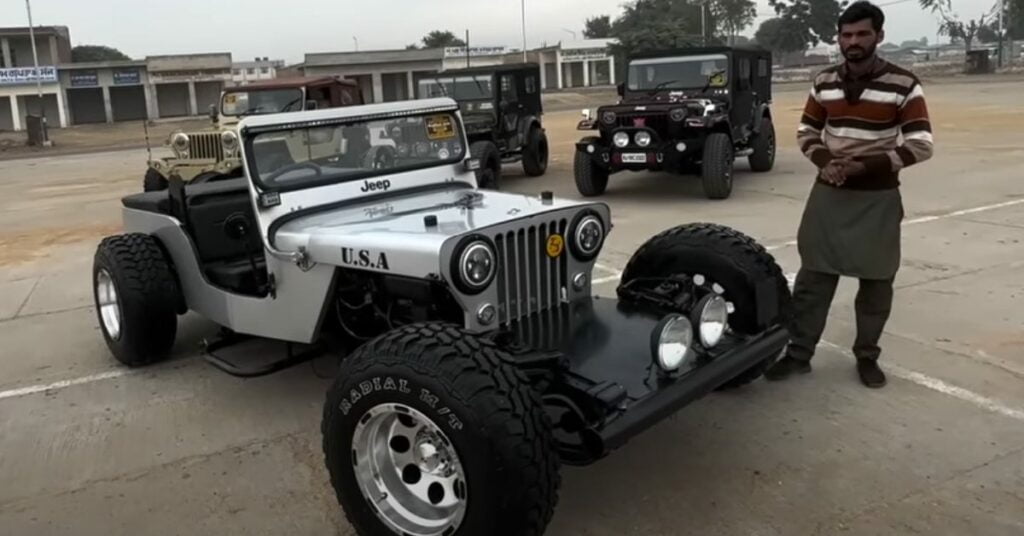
x: 213, y: 154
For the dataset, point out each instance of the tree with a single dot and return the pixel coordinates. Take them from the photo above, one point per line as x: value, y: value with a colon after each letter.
x: 814, y: 20
x: 90, y: 53
x: 441, y: 39
x: 648, y: 25
x: 734, y: 15
x: 412, y: 46
x: 1015, y: 19
x: 598, y: 27
x: 779, y: 36
x: 955, y: 28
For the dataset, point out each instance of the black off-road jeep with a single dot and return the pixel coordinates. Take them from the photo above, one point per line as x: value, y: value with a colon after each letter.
x: 686, y: 111
x: 501, y: 107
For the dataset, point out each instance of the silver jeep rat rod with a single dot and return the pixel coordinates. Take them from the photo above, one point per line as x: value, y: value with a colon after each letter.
x: 474, y: 359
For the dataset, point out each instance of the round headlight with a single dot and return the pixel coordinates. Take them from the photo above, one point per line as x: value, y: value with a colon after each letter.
x: 674, y: 342
x: 587, y: 237
x: 677, y: 114
x: 179, y: 142
x: 643, y: 138
x: 620, y: 139
x: 229, y: 140
x: 608, y: 117
x: 476, y: 266
x: 712, y: 317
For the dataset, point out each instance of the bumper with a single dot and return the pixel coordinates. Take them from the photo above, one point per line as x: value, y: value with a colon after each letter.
x: 666, y: 156
x: 608, y: 366
x: 188, y: 170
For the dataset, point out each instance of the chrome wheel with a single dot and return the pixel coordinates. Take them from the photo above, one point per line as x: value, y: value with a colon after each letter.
x: 408, y: 469
x: 110, y: 308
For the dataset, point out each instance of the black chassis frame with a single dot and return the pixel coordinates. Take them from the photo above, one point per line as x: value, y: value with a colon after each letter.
x: 747, y: 104
x: 524, y: 109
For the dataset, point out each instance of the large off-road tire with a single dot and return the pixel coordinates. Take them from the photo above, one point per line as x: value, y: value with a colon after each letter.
x: 717, y: 166
x: 136, y: 297
x: 153, y: 181
x: 763, y: 157
x: 591, y: 179
x: 724, y: 256
x: 488, y: 177
x: 426, y: 392
x: 536, y: 152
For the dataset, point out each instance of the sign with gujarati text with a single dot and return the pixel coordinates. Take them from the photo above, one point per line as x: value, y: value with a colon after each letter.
x: 84, y: 79
x: 127, y: 77
x: 460, y: 52
x: 27, y: 75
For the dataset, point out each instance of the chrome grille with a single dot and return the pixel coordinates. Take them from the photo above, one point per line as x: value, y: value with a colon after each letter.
x: 529, y: 281
x: 205, y: 146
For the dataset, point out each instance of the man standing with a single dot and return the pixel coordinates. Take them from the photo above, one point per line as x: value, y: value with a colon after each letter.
x: 851, y: 129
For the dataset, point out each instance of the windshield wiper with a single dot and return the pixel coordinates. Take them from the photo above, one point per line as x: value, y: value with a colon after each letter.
x: 661, y: 86
x: 290, y: 104
x: 444, y: 90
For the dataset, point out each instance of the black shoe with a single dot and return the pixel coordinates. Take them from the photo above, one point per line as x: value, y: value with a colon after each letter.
x: 786, y: 367
x: 870, y: 374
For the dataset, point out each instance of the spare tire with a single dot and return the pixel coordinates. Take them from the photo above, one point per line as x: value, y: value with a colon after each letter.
x: 724, y: 256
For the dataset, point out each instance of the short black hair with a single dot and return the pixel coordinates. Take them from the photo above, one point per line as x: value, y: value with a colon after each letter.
x: 859, y: 11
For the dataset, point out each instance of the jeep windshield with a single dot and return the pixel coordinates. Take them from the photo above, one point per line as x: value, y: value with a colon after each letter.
x: 307, y: 157
x: 476, y: 87
x: 679, y: 72
x: 262, y: 101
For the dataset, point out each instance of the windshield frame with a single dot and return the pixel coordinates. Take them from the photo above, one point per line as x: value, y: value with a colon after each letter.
x: 441, y: 79
x: 250, y: 134
x: 242, y: 89
x: 678, y: 59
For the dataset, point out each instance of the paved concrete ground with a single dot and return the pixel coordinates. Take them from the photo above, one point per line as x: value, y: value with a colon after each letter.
x: 87, y: 447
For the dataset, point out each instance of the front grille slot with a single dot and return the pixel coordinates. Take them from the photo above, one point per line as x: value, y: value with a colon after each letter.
x: 656, y: 122
x: 529, y: 281
x: 205, y: 146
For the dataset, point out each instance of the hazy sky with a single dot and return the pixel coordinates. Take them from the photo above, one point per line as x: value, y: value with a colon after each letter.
x: 287, y: 29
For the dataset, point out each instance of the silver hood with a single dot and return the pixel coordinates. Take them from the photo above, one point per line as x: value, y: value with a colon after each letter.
x: 391, y: 235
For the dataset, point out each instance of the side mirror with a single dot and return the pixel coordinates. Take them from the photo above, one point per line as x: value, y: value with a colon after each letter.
x: 586, y: 114
x: 213, y: 113
x: 311, y: 105
x: 621, y: 89
x: 472, y: 164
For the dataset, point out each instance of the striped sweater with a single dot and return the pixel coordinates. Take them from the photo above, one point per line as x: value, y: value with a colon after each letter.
x: 864, y: 119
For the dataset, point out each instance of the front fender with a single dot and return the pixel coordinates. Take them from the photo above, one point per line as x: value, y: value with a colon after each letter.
x: 762, y: 112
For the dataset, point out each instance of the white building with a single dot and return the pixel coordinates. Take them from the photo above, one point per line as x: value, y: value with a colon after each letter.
x: 575, y: 64
x: 244, y: 72
x: 20, y: 81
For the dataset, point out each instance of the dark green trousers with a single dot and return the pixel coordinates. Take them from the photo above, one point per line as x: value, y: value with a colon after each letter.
x: 812, y: 298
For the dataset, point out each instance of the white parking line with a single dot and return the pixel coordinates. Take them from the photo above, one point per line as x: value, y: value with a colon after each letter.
x: 928, y: 219
x: 940, y: 386
x: 56, y: 386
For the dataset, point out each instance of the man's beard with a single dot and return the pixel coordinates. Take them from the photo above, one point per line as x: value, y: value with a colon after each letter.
x: 859, y: 54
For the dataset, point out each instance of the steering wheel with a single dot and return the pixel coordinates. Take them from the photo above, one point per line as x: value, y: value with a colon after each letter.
x: 309, y: 165
x: 380, y: 157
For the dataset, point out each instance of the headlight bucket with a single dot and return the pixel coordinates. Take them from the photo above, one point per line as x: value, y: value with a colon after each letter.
x: 672, y: 343
x: 180, y: 143
x: 587, y: 235
x: 474, y: 264
x: 608, y: 117
x: 677, y: 114
x: 230, y: 141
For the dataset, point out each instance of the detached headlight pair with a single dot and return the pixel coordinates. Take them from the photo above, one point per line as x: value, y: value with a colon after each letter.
x: 675, y: 334
x: 642, y: 138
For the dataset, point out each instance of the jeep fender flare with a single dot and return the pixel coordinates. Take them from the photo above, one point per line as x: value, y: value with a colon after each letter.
x: 762, y: 112
x: 525, y: 124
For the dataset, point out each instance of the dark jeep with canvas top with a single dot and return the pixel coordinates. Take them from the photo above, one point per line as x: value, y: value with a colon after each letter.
x: 687, y: 111
x: 501, y: 106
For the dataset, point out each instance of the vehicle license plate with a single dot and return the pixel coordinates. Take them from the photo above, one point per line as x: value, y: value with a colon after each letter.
x: 634, y: 158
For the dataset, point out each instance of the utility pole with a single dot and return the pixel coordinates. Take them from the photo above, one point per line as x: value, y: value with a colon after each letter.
x: 1002, y: 30
x: 523, y: 4
x: 703, y: 23
x: 467, y: 49
x: 39, y: 74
